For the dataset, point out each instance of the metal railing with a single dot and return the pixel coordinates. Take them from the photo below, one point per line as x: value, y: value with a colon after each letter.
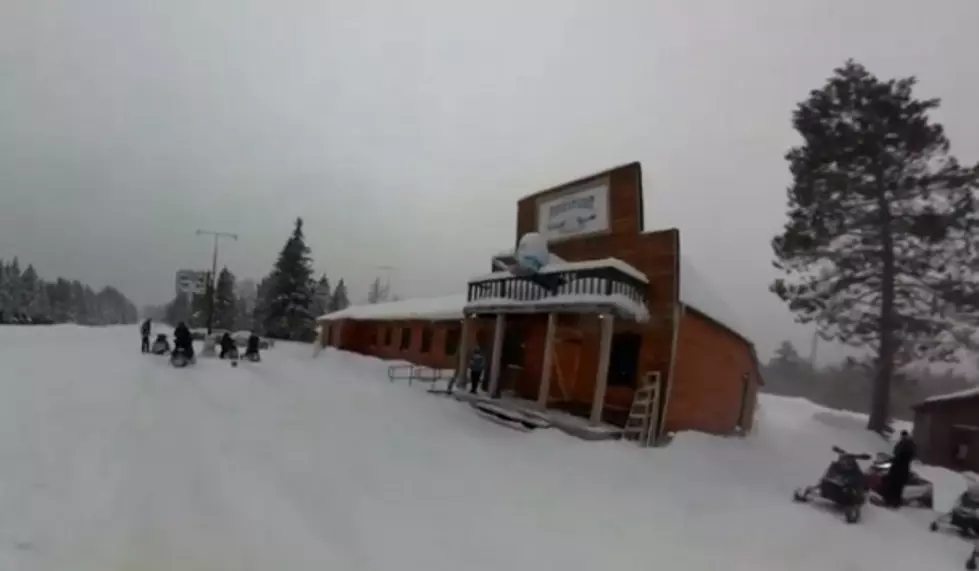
x: 602, y: 282
x: 412, y: 373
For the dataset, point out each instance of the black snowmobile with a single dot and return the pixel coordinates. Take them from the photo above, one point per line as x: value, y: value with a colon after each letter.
x: 964, y: 516
x: 181, y: 357
x: 843, y: 485
x: 161, y: 346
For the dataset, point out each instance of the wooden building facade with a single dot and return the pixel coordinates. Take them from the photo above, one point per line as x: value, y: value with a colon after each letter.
x: 615, y: 311
x: 946, y: 430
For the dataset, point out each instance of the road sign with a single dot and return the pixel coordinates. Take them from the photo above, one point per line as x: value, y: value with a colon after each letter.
x: 192, y: 282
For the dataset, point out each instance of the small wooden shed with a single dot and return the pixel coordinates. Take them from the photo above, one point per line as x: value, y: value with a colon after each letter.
x: 946, y: 430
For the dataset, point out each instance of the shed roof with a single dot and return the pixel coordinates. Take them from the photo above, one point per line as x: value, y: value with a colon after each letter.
x: 967, y: 394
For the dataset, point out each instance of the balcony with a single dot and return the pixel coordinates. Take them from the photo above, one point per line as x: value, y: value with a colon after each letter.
x: 593, y: 286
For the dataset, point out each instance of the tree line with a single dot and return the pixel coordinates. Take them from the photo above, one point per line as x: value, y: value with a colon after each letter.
x: 282, y: 305
x: 881, y: 237
x: 26, y: 298
x: 849, y: 385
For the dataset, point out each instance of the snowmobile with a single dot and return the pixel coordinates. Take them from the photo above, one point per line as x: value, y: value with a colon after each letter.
x: 161, y: 346
x: 253, y: 357
x: 843, y: 485
x: 964, y: 516
x: 917, y: 492
x: 181, y: 358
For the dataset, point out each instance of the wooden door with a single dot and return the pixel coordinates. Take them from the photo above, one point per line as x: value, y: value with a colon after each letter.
x: 567, y: 365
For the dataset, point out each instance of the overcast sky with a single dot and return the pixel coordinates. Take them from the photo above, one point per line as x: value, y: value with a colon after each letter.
x: 404, y: 132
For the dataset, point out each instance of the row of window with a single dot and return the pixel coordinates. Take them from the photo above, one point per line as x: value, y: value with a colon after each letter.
x: 450, y: 342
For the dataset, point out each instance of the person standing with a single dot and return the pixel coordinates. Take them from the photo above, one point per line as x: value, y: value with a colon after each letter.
x: 144, y: 331
x: 477, y: 364
x: 900, y: 471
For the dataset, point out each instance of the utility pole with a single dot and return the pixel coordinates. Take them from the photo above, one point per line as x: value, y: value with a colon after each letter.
x: 214, y: 268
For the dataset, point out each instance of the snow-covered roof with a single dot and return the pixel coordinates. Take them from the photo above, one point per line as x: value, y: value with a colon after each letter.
x: 957, y: 395
x: 623, y: 303
x: 559, y: 265
x: 696, y: 292
x: 424, y: 308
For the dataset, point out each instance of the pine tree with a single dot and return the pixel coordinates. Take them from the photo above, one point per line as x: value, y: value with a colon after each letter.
x: 378, y: 292
x: 15, y: 289
x: 786, y: 353
x: 322, y: 297
x: 289, y: 305
x: 260, y: 313
x: 178, y: 310
x: 881, y: 226
x: 30, y: 292
x: 340, y: 298
x: 225, y: 307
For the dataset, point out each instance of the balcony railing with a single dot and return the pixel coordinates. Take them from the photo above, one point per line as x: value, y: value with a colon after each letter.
x: 589, y: 286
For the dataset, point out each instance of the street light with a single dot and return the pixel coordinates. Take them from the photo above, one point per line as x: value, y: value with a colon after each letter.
x: 214, y: 268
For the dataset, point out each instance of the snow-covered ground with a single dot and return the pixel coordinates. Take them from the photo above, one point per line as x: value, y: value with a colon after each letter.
x: 113, y: 461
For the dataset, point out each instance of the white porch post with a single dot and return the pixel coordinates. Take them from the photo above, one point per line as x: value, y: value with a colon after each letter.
x: 494, y: 380
x: 601, y: 379
x: 545, y: 374
x: 460, y: 375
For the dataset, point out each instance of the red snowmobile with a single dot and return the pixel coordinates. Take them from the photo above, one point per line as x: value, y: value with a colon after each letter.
x: 918, y: 491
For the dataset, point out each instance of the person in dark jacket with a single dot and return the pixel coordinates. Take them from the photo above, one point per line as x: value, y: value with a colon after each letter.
x: 144, y: 332
x: 229, y: 350
x: 183, y: 341
x: 251, y: 348
x: 900, y: 471
x: 477, y: 364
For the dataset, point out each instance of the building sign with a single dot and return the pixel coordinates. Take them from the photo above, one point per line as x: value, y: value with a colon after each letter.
x: 574, y: 214
x: 191, y: 282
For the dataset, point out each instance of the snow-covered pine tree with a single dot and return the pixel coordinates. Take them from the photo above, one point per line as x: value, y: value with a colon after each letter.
x: 322, y: 296
x: 378, y: 292
x: 340, y: 298
x: 14, y: 289
x: 263, y: 297
x: 225, y: 307
x: 291, y: 298
x: 178, y: 310
x: 879, y: 247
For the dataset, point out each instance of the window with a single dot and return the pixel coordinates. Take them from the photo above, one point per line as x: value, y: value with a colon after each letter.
x: 624, y: 360
x: 426, y: 339
x: 388, y: 341
x: 405, y: 338
x: 452, y: 341
x: 373, y: 336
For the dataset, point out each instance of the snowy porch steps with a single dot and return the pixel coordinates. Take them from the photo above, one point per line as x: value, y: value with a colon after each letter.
x: 525, y: 412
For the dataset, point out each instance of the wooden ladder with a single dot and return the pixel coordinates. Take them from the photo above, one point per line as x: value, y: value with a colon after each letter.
x: 645, y: 405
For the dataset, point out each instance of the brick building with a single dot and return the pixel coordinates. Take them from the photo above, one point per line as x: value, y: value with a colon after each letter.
x: 615, y: 313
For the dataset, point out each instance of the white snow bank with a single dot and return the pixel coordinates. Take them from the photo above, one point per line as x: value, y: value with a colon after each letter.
x: 426, y: 308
